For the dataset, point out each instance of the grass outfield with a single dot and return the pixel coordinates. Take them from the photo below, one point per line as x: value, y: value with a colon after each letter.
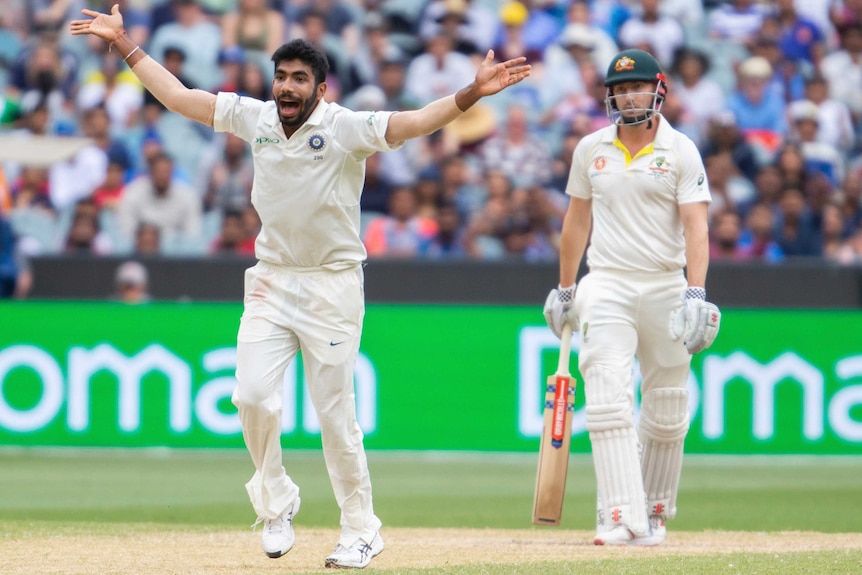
x: 145, y: 512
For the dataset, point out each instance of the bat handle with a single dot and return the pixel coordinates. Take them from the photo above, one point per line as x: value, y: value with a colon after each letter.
x: 565, y: 349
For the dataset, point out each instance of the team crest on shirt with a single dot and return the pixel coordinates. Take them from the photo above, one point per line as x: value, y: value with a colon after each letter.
x: 657, y: 167
x: 600, y: 163
x: 316, y: 142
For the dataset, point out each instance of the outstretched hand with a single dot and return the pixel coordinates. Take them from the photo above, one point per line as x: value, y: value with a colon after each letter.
x: 108, y: 27
x: 492, y: 78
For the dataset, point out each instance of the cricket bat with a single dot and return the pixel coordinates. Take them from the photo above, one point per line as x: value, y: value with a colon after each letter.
x: 556, y: 437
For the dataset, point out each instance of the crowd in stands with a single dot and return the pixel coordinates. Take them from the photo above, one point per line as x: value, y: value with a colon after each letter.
x: 770, y: 91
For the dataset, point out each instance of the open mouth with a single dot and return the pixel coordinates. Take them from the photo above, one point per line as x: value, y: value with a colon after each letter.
x: 288, y: 107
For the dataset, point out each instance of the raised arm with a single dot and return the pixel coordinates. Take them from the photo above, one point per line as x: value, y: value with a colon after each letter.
x: 196, y: 105
x: 490, y: 79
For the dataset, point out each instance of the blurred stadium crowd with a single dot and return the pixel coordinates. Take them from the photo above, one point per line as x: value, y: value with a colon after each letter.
x: 770, y: 90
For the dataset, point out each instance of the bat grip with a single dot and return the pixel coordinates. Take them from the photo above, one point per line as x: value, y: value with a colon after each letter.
x: 565, y: 350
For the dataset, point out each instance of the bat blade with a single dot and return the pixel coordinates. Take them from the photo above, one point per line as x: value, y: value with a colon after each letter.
x: 556, y: 438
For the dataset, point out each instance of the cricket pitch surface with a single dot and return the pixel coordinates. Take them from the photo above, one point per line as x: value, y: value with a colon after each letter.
x: 130, y: 548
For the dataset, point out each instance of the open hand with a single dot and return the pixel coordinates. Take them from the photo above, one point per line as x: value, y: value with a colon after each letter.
x: 108, y: 27
x: 492, y: 78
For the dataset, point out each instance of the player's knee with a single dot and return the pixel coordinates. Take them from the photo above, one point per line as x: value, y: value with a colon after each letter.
x: 664, y: 414
x: 608, y: 404
x: 250, y: 397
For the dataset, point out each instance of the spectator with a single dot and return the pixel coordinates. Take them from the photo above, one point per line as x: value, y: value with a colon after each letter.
x: 232, y: 239
x: 850, y: 200
x: 833, y: 116
x: 650, y: 30
x: 378, y: 187
x: 457, y: 184
x: 787, y: 74
x: 375, y: 48
x: 230, y: 61
x: 737, y: 20
x: 227, y: 176
x: 131, y: 283
x: 252, y: 80
x: 77, y: 177
x: 253, y: 27
x: 538, y: 28
x: 832, y: 232
x: 158, y: 199
x: 796, y: 231
x: 726, y: 234
x: 819, y: 157
x: 118, y: 91
x: 31, y: 190
x: 757, y: 238
x: 563, y: 83
x: 801, y: 39
x: 452, y: 23
x: 843, y: 69
x: 343, y: 75
x: 543, y: 211
x: 850, y: 252
x: 448, y: 241
x: 338, y: 20
x: 603, y: 45
x: 700, y: 95
x: 198, y: 38
x: 46, y: 74
x: 479, y: 22
x: 518, y: 151
x: 723, y: 135
x: 401, y: 234
x: 438, y: 71
x: 85, y: 235
x: 791, y: 163
x: 515, y: 38
x: 15, y: 277
x: 759, y: 110
x: 96, y: 125
x: 108, y: 194
x: 728, y: 187
x: 391, y: 78
x: 148, y: 240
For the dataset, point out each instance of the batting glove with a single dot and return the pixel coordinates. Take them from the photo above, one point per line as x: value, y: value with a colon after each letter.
x: 560, y: 309
x: 697, y: 321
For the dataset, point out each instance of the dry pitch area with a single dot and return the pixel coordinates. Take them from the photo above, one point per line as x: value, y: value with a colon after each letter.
x: 42, y: 551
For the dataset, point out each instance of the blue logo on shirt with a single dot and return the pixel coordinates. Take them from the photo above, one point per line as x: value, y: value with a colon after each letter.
x: 316, y: 142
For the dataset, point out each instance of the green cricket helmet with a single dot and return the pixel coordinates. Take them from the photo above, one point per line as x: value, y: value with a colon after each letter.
x: 634, y: 66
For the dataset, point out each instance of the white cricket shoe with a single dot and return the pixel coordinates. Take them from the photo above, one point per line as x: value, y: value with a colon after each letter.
x: 278, y: 537
x: 656, y: 535
x: 357, y: 556
x: 622, y: 535
x: 617, y: 535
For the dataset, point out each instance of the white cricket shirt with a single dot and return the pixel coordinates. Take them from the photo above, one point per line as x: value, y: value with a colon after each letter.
x: 635, y: 209
x: 307, y: 187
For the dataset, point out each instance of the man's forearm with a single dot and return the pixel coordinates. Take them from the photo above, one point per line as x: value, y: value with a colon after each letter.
x: 193, y: 104
x: 427, y: 120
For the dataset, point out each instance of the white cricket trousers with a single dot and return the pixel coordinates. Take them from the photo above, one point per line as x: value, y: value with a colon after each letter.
x: 319, y: 312
x: 623, y: 315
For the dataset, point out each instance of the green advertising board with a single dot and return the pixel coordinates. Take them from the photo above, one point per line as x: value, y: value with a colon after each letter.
x: 428, y: 377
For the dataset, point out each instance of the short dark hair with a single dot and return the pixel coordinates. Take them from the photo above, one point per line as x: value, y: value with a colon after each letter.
x: 306, y: 53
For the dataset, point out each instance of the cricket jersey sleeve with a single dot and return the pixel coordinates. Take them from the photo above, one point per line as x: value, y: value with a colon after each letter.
x: 237, y: 114
x: 692, y: 184
x: 364, y: 133
x: 579, y: 185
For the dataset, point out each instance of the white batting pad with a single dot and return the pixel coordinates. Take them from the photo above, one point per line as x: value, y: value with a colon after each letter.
x: 615, y: 452
x: 664, y: 422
